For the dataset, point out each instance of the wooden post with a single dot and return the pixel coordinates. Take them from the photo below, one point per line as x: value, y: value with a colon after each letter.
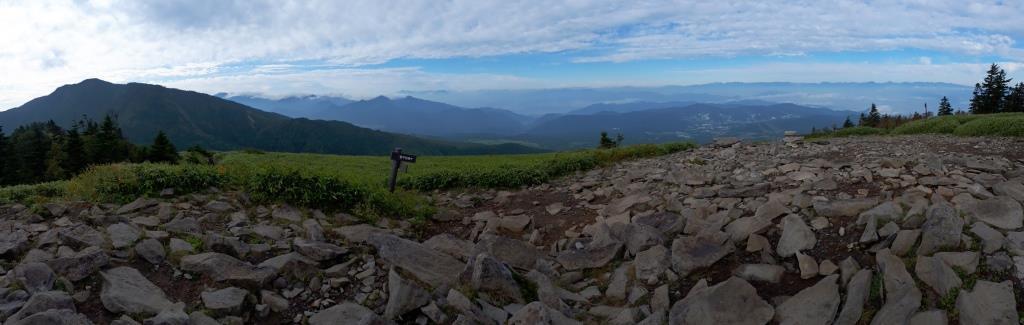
x: 396, y: 162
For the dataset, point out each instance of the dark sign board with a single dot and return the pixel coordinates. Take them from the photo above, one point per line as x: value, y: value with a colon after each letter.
x: 403, y: 157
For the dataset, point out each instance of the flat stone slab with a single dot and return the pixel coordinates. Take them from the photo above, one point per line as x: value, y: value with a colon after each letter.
x: 427, y: 265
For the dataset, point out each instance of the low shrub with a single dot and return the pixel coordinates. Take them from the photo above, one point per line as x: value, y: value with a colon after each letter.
x: 849, y: 132
x: 126, y: 182
x: 942, y: 124
x: 1007, y: 125
x: 32, y: 193
x: 333, y: 183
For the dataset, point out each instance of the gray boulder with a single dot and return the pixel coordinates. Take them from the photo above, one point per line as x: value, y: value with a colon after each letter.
x: 41, y: 302
x: 123, y: 235
x: 345, y: 313
x: 856, y: 295
x: 151, y: 250
x: 693, y: 252
x: 761, y: 272
x: 318, y: 251
x: 844, y: 208
x: 227, y: 301
x: 125, y: 290
x: 81, y: 264
x: 540, y: 314
x: 988, y: 303
x: 731, y: 302
x: 936, y: 274
x: 223, y: 267
x: 796, y: 236
x: 403, y: 295
x: 427, y: 265
x: 53, y: 317
x: 34, y: 277
x: 1000, y: 212
x: 814, y: 305
x: 486, y: 274
x: 941, y: 229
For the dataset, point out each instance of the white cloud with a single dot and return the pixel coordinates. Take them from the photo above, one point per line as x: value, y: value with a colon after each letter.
x: 44, y: 44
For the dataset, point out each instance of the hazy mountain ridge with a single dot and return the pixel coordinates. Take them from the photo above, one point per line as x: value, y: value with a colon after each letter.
x: 191, y: 118
x: 901, y: 97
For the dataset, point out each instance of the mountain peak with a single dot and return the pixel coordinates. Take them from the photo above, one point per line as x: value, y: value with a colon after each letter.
x: 94, y: 81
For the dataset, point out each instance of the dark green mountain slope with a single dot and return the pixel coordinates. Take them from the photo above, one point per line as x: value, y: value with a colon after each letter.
x: 191, y: 118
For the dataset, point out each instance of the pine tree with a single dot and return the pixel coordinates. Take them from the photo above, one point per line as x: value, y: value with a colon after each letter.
x: 977, y: 99
x: 944, y: 107
x: 1015, y: 100
x: 990, y: 95
x: 874, y: 118
x: 605, y: 141
x: 74, y: 153
x: 162, y: 149
x: 862, y: 121
x: 847, y: 123
x: 5, y: 159
x: 54, y: 160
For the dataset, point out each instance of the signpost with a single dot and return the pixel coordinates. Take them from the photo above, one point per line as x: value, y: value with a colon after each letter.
x: 397, y: 158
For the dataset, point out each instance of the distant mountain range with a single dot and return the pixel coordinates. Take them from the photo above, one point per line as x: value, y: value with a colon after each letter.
x: 307, y: 106
x: 639, y: 122
x: 694, y: 122
x: 191, y: 118
x: 902, y: 97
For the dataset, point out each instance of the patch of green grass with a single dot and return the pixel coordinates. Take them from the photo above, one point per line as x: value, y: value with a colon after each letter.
x: 948, y: 302
x: 1002, y: 124
x: 849, y: 132
x: 355, y: 184
x: 196, y: 242
x: 875, y: 294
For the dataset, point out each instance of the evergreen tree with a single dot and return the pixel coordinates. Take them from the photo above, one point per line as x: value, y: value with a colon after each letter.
x: 605, y: 141
x: 1015, y: 100
x: 30, y: 147
x: 5, y: 159
x: 162, y: 149
x: 990, y: 95
x: 874, y: 118
x: 847, y: 123
x: 862, y: 121
x: 54, y: 161
x: 74, y: 153
x: 944, y: 107
x: 977, y: 99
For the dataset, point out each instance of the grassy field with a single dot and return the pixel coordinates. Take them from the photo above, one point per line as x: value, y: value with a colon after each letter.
x: 355, y: 184
x: 1002, y: 124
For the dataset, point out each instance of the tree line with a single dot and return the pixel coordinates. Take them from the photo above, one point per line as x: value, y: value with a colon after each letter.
x: 44, y: 151
x: 993, y: 95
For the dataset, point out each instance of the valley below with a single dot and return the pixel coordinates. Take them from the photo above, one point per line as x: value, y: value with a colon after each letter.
x: 922, y: 229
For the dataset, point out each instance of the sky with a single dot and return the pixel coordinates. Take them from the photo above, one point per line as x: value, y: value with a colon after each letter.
x: 361, y: 49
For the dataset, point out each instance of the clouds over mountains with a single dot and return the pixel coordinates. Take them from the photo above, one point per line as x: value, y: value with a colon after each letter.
x: 266, y: 44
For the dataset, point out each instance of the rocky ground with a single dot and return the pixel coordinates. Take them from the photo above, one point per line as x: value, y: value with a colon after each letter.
x: 889, y: 230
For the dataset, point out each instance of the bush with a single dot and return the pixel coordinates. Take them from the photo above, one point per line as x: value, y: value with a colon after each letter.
x: 515, y: 175
x: 341, y: 183
x: 32, y: 193
x: 997, y: 125
x: 849, y: 132
x: 126, y: 182
x: 315, y: 191
x: 942, y: 124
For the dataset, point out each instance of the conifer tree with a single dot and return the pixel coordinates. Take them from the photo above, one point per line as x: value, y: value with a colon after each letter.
x: 74, y: 153
x: 5, y: 159
x: 847, y: 123
x: 1015, y: 100
x: 990, y: 96
x: 944, y: 107
x: 163, y: 150
x: 874, y: 118
x: 54, y: 160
